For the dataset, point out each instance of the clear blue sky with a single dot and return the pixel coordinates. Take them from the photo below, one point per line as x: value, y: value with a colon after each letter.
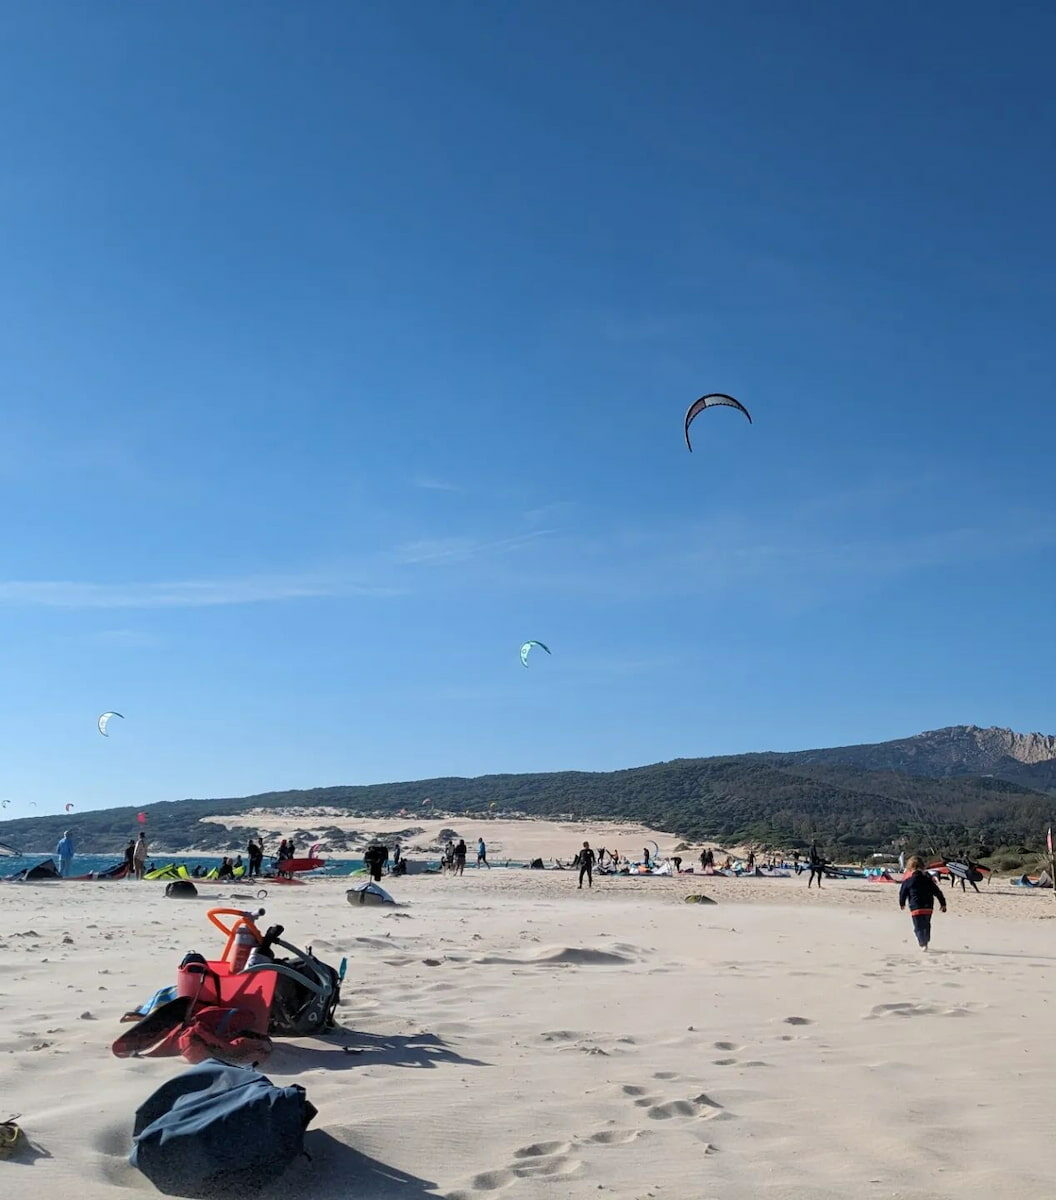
x: 345, y: 346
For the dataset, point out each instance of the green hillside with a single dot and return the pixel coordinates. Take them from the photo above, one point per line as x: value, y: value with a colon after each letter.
x: 784, y: 800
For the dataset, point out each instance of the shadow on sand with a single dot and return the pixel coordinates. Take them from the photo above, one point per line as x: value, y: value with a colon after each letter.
x: 339, y: 1170
x: 347, y: 1049
x: 996, y: 954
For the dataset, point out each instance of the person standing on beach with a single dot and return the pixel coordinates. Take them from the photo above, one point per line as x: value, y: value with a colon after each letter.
x: 65, y: 851
x: 374, y: 859
x: 817, y: 866
x: 920, y: 891
x: 460, y: 856
x: 586, y: 865
x: 482, y: 854
x: 130, y: 859
x: 139, y: 856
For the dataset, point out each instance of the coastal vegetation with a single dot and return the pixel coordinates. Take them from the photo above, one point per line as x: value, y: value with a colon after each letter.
x: 784, y: 800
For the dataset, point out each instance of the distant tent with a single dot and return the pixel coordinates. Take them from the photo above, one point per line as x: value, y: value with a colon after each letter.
x: 368, y: 893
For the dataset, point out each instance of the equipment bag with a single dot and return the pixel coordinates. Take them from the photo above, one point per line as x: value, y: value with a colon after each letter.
x: 219, y: 1130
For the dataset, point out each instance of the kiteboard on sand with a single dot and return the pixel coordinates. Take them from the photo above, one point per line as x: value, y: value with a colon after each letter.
x: 293, y: 866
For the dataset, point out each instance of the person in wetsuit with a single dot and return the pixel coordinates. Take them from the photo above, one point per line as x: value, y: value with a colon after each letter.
x: 817, y: 865
x: 920, y: 891
x: 972, y: 877
x: 586, y: 865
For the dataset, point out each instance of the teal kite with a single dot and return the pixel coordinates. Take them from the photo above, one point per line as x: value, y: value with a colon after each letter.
x: 527, y: 647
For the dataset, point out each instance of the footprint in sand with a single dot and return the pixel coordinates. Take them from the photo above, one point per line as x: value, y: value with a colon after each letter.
x: 798, y: 1021
x: 702, y: 1107
x: 632, y: 1089
x: 491, y: 1181
x: 547, y: 1168
x: 616, y: 1137
x: 728, y: 1046
x: 903, y: 1009
x: 542, y: 1149
x: 673, y: 1108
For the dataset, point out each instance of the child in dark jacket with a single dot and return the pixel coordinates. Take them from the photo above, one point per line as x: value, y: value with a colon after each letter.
x: 920, y: 891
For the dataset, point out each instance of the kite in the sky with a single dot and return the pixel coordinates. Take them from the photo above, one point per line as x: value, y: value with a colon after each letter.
x: 526, y: 650
x: 712, y: 400
x: 104, y: 720
x: 141, y: 818
x: 69, y: 808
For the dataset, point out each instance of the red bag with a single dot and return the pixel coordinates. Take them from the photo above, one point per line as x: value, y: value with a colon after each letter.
x: 209, y: 1032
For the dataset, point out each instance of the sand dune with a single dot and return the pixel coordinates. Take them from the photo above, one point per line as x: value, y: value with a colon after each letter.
x: 515, y: 1036
x: 521, y: 839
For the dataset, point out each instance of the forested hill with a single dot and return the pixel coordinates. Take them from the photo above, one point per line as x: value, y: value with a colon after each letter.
x: 775, y: 799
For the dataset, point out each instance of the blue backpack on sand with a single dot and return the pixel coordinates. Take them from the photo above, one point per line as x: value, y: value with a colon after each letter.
x: 217, y: 1130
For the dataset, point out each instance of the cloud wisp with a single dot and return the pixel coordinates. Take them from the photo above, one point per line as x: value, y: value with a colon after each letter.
x: 189, y: 593
x: 377, y: 577
x: 438, y: 551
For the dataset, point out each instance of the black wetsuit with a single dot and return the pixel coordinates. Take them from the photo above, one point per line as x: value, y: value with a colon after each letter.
x: 920, y: 892
x: 586, y: 866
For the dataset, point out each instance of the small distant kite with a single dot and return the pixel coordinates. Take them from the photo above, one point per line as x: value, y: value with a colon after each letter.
x: 69, y: 808
x: 141, y: 818
x: 526, y: 650
x: 105, y: 719
x: 712, y: 400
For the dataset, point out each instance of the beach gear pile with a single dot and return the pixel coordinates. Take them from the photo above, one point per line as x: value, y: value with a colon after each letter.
x: 219, y: 1130
x: 229, y: 1008
x: 12, y: 1139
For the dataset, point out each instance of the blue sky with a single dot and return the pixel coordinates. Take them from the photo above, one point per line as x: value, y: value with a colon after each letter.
x: 345, y: 346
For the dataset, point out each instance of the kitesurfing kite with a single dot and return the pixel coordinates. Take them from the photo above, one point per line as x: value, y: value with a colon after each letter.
x: 69, y: 808
x: 141, y: 818
x: 526, y: 648
x: 712, y: 400
x: 104, y: 720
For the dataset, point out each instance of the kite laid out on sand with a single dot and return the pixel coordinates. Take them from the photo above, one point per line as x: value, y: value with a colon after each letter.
x: 104, y: 720
x: 712, y: 400
x: 526, y: 650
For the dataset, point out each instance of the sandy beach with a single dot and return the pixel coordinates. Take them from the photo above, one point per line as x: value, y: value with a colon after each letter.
x: 520, y: 1037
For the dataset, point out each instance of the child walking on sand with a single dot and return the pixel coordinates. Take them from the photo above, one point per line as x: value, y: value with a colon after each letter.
x: 919, y: 890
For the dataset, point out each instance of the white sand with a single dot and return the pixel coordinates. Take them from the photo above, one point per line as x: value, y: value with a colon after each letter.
x: 518, y: 839
x: 620, y: 1043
